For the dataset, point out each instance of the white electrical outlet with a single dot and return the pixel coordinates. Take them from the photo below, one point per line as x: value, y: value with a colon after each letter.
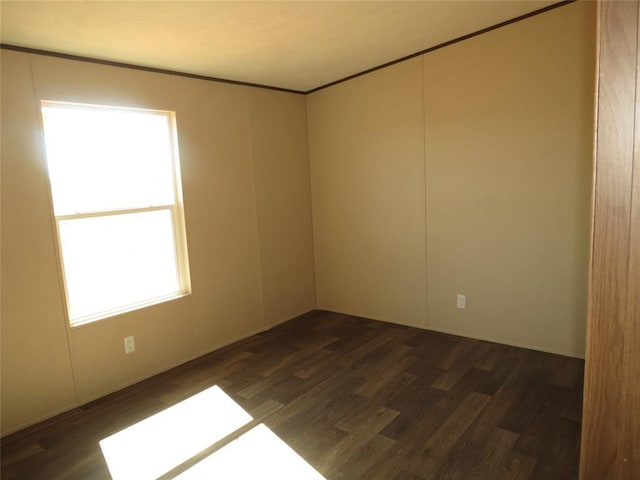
x: 129, y: 344
x: 461, y: 301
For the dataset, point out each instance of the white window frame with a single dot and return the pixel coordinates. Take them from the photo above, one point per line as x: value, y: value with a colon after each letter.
x: 176, y: 212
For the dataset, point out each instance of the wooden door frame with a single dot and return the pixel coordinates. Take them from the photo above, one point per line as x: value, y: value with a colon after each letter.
x: 610, y: 446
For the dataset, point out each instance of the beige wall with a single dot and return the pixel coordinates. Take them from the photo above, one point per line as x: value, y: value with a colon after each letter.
x: 248, y: 229
x: 496, y: 133
x: 36, y: 368
x: 367, y: 179
x: 283, y: 203
x: 466, y: 170
x: 509, y: 126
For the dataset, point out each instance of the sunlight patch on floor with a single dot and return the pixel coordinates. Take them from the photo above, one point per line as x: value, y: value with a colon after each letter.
x: 165, y: 441
x: 156, y: 445
x: 259, y: 453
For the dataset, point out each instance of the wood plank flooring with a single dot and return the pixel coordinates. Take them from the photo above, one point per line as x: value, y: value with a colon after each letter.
x: 356, y: 398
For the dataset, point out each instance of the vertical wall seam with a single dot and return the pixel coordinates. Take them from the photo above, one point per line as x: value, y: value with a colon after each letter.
x: 313, y: 228
x: 56, y: 240
x: 426, y: 205
x: 263, y: 325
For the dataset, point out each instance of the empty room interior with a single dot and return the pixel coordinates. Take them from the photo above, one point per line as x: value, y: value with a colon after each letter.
x: 370, y: 240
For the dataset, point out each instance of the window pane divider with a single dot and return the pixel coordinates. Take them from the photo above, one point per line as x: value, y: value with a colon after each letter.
x: 107, y: 213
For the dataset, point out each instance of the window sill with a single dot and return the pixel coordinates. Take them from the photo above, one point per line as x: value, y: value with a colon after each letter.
x: 88, y: 320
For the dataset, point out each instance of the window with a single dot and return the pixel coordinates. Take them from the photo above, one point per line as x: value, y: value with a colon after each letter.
x: 117, y: 201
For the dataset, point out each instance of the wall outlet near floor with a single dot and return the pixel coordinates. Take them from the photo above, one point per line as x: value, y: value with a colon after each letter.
x: 461, y: 301
x: 129, y: 344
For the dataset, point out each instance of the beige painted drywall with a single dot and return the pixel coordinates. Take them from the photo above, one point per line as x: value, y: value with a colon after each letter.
x: 36, y: 368
x: 496, y: 133
x: 48, y: 367
x: 508, y: 134
x: 221, y: 223
x: 283, y: 204
x: 367, y: 181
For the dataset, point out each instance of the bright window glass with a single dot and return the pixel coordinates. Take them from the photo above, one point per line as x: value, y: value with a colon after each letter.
x: 116, y: 194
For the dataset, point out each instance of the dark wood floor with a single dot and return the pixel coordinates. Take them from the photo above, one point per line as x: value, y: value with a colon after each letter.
x: 355, y: 398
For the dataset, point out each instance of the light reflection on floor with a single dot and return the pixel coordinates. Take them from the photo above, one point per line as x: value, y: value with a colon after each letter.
x: 164, y: 441
x: 258, y: 454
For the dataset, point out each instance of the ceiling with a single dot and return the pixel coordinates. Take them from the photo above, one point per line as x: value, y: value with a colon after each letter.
x: 297, y: 45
